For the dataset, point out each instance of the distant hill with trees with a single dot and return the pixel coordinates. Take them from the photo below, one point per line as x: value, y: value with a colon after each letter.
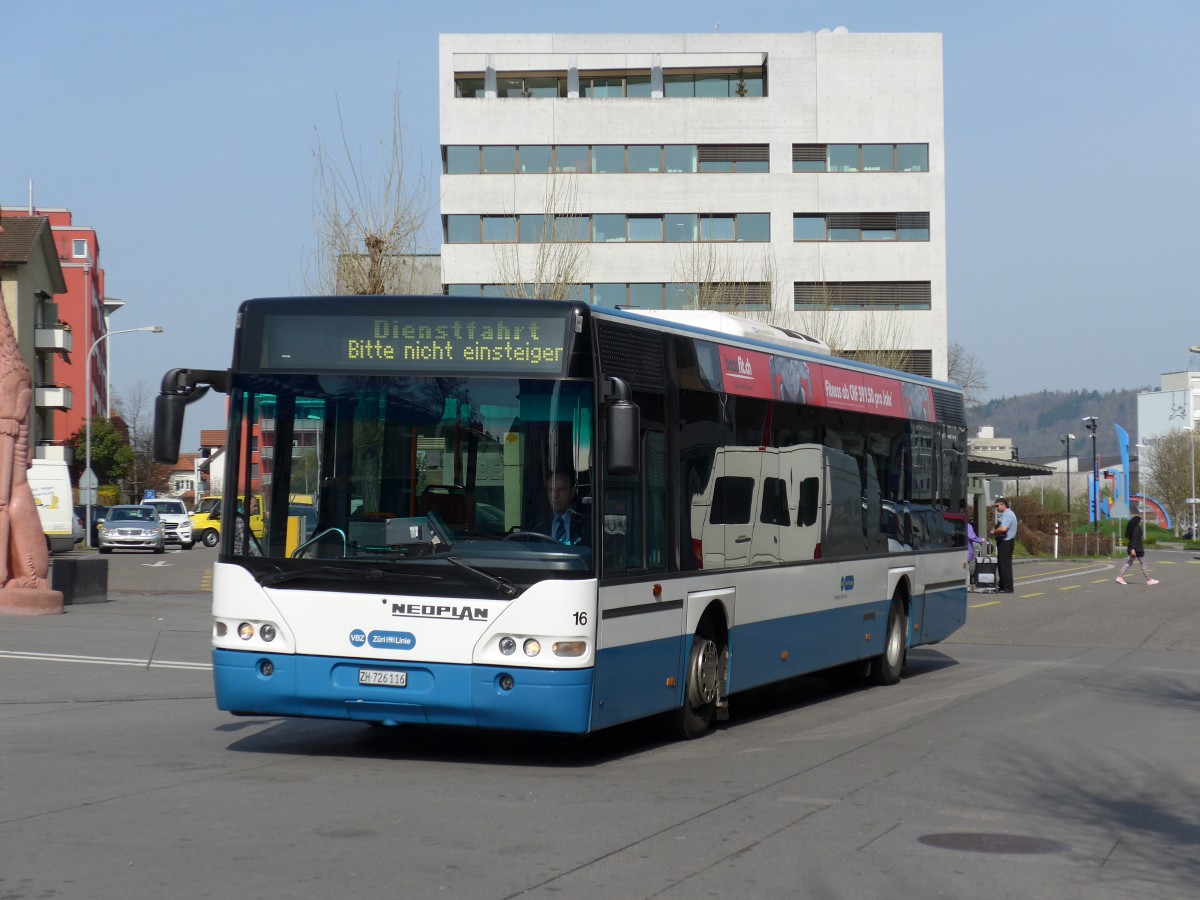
x: 1037, y: 422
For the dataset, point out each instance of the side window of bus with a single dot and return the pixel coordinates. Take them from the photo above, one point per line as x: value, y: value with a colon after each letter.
x: 775, y: 503
x: 810, y: 502
x: 635, y: 508
x: 733, y: 496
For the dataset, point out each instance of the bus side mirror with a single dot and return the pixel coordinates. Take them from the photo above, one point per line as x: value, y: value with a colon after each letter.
x: 168, y: 427
x: 622, y: 430
x: 179, y: 388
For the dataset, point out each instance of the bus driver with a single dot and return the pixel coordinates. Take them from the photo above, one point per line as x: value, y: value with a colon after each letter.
x: 565, y: 525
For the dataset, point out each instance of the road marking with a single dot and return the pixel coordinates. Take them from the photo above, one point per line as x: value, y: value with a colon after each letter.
x: 157, y: 565
x: 1070, y: 587
x: 982, y: 605
x: 1031, y: 596
x: 105, y: 660
x: 1099, y: 580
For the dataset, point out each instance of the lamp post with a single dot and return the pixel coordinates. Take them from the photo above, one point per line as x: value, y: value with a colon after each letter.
x: 1090, y: 422
x: 1066, y: 441
x: 88, y: 474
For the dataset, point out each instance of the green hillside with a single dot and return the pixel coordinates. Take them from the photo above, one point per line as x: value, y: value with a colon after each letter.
x: 1037, y: 422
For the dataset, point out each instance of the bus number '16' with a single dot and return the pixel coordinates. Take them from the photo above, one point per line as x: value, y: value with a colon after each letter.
x: 580, y: 618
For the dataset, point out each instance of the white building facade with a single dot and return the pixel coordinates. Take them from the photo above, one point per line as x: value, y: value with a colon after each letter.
x: 795, y: 177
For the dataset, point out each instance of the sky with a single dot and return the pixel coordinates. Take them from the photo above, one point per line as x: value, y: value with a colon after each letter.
x: 185, y: 132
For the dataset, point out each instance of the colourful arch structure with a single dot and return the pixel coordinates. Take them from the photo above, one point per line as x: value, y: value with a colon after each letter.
x: 1161, y: 517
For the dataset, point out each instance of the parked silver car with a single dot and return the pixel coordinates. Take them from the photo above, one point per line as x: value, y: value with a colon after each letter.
x: 132, y: 528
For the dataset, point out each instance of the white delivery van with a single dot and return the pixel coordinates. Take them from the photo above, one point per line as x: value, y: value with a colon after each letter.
x: 55, y: 500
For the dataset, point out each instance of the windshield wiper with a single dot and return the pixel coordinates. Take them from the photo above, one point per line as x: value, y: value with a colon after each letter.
x: 345, y: 573
x: 495, y: 581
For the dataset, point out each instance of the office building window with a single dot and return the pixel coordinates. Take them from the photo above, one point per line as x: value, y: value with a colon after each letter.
x: 500, y: 160
x: 534, y: 159
x: 644, y: 158
x: 462, y: 160
x: 646, y: 228
x: 908, y: 226
x: 862, y: 295
x: 462, y: 229
x: 681, y: 157
x: 860, y: 157
x: 571, y: 159
x: 608, y: 159
x: 680, y: 228
x: 608, y: 228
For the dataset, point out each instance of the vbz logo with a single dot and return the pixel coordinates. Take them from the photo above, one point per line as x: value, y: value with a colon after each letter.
x: 847, y: 582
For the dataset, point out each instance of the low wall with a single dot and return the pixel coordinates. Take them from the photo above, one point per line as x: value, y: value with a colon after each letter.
x: 80, y: 580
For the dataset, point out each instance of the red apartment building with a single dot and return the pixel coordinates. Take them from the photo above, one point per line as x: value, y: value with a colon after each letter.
x: 82, y: 310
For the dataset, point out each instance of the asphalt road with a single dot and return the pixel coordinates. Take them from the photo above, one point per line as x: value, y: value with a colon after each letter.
x: 1047, y: 751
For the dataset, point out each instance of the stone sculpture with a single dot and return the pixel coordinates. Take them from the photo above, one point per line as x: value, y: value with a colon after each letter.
x: 25, y: 564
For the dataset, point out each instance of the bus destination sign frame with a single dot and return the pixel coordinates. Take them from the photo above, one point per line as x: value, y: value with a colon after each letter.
x: 465, y: 344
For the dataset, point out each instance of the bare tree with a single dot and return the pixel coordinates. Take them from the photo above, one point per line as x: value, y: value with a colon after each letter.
x: 878, y: 336
x: 1171, y: 460
x: 965, y: 370
x: 555, y: 266
x: 368, y: 217
x: 715, y: 276
x: 136, y: 407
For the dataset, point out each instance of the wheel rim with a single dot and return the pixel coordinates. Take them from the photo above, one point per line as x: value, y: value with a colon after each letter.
x: 895, y: 644
x: 702, y: 680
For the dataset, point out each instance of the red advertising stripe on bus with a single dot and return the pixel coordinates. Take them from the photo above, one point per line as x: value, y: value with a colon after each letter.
x: 753, y: 374
x: 746, y: 372
x: 866, y: 392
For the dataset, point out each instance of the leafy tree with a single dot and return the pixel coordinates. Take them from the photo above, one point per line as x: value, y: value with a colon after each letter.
x: 112, y: 458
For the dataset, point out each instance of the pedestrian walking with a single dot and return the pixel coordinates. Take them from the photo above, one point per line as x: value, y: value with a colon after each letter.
x: 1133, y: 543
x: 1005, y: 534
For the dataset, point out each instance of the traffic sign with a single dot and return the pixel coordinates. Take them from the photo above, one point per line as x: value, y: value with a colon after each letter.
x: 88, y: 480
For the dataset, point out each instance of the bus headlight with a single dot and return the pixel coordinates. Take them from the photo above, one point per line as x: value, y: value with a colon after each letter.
x: 569, y: 648
x: 508, y: 646
x: 532, y: 647
x: 245, y: 631
x: 267, y: 633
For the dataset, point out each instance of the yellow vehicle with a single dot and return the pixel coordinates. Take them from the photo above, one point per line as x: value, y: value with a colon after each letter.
x: 206, y: 519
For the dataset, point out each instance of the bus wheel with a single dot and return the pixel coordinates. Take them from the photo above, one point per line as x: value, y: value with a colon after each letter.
x: 702, y: 687
x: 210, y: 538
x: 885, y: 668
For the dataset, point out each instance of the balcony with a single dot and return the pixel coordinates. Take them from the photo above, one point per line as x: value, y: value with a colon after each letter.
x: 57, y: 451
x: 52, y: 396
x: 53, y: 339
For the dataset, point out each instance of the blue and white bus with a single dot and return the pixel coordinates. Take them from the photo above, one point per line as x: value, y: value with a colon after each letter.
x: 743, y: 509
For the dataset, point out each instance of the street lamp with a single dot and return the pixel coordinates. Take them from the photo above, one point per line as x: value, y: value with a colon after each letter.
x: 88, y: 474
x: 1066, y: 441
x: 1090, y: 423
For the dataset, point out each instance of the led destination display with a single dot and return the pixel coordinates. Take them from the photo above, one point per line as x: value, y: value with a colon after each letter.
x: 516, y: 344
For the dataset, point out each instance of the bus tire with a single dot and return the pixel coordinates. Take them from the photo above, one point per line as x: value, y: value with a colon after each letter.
x: 885, y: 668
x: 210, y: 538
x: 701, y: 688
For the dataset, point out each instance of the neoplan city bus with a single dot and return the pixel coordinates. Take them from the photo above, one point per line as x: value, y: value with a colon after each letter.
x: 732, y: 496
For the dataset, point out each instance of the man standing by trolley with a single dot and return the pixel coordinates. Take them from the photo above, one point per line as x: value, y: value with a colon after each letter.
x: 1005, y: 534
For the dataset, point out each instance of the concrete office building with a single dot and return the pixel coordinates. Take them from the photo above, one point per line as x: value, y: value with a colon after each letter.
x: 795, y: 177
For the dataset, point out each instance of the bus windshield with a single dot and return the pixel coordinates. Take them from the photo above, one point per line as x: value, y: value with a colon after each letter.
x: 399, y: 473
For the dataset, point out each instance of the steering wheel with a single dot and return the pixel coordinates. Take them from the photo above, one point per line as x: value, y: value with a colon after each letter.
x: 531, y: 536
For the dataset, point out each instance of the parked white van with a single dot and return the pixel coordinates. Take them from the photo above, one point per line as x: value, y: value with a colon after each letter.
x: 50, y: 481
